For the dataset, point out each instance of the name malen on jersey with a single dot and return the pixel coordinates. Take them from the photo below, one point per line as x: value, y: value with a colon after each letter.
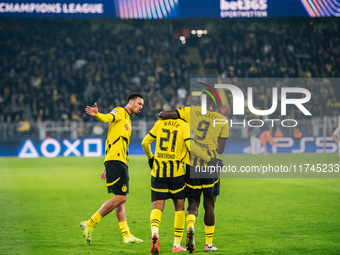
x: 171, y: 123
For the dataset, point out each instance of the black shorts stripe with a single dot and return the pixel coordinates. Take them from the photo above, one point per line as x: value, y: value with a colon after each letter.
x: 167, y: 187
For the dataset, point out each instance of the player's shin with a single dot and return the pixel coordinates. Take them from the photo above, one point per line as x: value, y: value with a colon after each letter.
x: 191, y: 220
x: 94, y: 220
x: 155, y: 220
x: 124, y: 228
x: 178, y: 227
x: 209, y: 233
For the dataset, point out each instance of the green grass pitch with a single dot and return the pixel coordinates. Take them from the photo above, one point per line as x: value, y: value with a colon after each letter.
x: 42, y: 202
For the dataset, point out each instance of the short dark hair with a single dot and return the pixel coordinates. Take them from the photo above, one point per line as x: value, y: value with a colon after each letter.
x: 134, y: 96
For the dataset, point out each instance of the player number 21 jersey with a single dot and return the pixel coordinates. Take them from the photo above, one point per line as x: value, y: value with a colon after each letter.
x: 172, y: 141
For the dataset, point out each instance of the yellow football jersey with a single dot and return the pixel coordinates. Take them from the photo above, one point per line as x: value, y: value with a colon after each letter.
x: 206, y: 132
x: 172, y: 146
x: 118, y: 135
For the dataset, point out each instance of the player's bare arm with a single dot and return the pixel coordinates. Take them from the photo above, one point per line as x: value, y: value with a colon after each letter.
x: 173, y: 114
x: 335, y: 138
x: 92, y: 111
x: 221, y: 145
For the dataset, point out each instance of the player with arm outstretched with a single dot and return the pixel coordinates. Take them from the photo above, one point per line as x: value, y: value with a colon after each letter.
x: 116, y: 165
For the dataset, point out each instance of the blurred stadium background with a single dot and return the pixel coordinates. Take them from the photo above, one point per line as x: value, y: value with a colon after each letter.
x: 58, y: 57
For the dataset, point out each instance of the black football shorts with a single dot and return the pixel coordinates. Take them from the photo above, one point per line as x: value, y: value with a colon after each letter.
x: 117, y: 177
x: 167, y: 187
x: 196, y: 186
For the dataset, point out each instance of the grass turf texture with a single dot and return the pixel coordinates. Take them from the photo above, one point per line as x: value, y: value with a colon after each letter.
x: 42, y: 202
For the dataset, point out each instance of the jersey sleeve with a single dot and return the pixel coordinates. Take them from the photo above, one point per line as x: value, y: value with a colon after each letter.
x: 224, y: 132
x: 104, y: 117
x: 154, y: 129
x: 117, y: 113
x: 146, y: 144
x: 149, y: 138
x: 184, y: 113
x: 114, y: 115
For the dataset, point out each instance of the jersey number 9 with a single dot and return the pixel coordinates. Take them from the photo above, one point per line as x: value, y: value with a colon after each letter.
x: 203, y: 126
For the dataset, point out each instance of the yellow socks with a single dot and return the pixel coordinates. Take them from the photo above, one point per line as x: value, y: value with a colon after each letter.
x: 155, y: 220
x: 94, y: 220
x: 191, y: 219
x: 178, y: 226
x: 209, y: 232
x: 124, y: 229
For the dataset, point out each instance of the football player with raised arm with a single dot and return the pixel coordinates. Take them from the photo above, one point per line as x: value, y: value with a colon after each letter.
x: 116, y: 165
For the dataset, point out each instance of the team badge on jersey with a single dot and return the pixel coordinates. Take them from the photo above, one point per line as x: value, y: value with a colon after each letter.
x: 127, y: 127
x: 124, y: 188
